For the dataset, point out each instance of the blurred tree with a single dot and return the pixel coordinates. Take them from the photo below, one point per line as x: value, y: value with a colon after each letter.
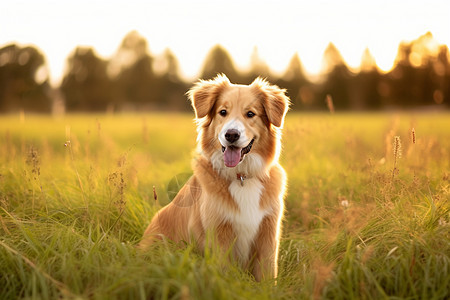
x: 132, y: 71
x: 337, y: 78
x: 364, y: 85
x: 133, y: 48
x: 299, y: 89
x: 441, y: 67
x: 171, y: 68
x: 400, y: 77
x: 23, y: 80
x: 218, y: 61
x: 86, y: 85
x: 171, y: 88
x: 415, y: 79
x: 435, y: 69
x: 134, y: 79
x: 135, y: 83
x: 406, y: 78
x: 368, y: 63
x: 258, y: 67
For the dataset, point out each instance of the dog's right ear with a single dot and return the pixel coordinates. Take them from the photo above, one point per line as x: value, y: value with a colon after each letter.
x: 275, y: 101
x: 205, y: 93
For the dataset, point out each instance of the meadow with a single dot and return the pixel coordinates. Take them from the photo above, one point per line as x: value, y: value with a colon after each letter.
x: 367, y: 211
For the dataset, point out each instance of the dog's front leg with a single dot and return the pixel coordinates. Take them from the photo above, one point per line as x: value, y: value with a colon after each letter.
x: 266, y: 250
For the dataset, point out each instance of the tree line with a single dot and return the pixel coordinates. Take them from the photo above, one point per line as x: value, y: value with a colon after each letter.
x: 133, y: 79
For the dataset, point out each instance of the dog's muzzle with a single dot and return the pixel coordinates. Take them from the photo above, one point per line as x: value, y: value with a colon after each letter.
x: 233, y: 155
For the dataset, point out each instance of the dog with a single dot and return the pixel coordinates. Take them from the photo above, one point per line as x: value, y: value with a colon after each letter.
x: 237, y: 188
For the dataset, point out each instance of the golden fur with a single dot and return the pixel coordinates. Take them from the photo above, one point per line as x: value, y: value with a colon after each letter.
x: 242, y: 216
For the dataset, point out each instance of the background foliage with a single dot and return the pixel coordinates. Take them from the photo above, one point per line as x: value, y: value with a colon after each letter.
x: 134, y: 79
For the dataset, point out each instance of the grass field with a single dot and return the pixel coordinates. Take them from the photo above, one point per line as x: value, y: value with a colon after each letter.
x: 361, y: 222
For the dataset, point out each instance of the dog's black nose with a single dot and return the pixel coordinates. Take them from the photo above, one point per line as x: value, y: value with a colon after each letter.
x: 232, y: 135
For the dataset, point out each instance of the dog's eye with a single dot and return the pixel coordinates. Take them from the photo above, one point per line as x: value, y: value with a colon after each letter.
x: 223, y: 112
x: 250, y: 114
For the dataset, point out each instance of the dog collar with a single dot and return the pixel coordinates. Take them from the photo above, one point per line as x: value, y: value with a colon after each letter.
x: 241, y: 177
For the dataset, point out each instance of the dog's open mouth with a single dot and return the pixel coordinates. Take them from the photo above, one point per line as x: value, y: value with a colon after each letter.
x: 233, y: 155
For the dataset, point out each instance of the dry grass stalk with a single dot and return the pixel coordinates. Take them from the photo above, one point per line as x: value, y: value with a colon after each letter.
x: 184, y: 293
x: 397, y: 147
x: 4, y: 226
x: 34, y: 162
x: 330, y: 105
x: 411, y: 147
x: 117, y: 180
x: 99, y: 127
x: 144, y: 131
x: 155, y: 196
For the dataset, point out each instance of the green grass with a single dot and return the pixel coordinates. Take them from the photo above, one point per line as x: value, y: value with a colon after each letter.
x: 71, y: 214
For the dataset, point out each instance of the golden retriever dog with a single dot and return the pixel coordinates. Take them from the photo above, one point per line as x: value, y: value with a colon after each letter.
x: 237, y: 189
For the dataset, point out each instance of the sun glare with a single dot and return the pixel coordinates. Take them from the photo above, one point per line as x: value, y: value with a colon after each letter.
x: 279, y: 29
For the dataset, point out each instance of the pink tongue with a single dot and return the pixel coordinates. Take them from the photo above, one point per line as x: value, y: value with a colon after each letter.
x: 232, y: 156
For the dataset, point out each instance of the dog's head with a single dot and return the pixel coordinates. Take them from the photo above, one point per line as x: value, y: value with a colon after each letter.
x: 239, y: 120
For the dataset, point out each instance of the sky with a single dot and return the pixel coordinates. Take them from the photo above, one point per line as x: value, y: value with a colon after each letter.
x: 278, y: 29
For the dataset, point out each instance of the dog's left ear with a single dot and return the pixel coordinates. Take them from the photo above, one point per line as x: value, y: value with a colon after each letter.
x: 205, y: 93
x: 274, y: 99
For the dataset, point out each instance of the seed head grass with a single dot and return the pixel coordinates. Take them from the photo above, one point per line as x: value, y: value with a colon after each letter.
x: 397, y: 148
x: 71, y: 216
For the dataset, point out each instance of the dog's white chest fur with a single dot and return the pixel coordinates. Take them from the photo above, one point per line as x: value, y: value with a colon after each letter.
x: 246, y: 222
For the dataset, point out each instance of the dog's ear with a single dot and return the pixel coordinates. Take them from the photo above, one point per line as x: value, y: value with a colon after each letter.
x: 274, y: 100
x: 205, y: 93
